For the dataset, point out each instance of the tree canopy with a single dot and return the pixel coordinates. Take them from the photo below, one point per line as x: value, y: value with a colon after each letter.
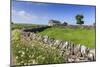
x: 79, y: 19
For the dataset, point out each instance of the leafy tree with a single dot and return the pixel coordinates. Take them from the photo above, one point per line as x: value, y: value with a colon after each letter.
x: 79, y: 19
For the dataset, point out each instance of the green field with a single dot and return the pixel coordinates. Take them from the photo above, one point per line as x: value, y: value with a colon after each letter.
x: 82, y: 36
x: 78, y: 35
x: 24, y: 26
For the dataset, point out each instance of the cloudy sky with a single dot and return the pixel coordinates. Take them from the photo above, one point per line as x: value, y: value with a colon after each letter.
x: 41, y: 13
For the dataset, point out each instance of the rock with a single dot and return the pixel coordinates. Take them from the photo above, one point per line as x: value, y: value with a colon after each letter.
x: 50, y: 41
x: 78, y: 54
x: 28, y: 34
x: 91, y: 55
x: 45, y: 39
x: 67, y: 53
x: 31, y: 36
x: 72, y: 49
x: 83, y: 50
x: 77, y: 49
x: 57, y: 43
x: 81, y: 58
x: 69, y: 46
x: 24, y: 34
x: 60, y: 45
x: 92, y: 51
x: 64, y: 46
x: 71, y: 60
x: 77, y: 60
x: 39, y: 38
x: 34, y: 36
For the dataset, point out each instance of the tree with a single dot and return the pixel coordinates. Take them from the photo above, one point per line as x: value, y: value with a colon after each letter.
x: 79, y: 19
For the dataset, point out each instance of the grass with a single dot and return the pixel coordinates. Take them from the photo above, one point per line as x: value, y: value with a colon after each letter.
x: 34, y: 53
x: 24, y: 26
x: 78, y: 36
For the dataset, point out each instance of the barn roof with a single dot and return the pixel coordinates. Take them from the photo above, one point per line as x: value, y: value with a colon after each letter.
x: 54, y: 21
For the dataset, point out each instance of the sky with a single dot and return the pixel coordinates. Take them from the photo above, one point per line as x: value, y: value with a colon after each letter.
x: 41, y: 13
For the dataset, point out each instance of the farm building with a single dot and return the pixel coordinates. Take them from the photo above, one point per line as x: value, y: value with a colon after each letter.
x: 54, y: 23
x: 65, y: 24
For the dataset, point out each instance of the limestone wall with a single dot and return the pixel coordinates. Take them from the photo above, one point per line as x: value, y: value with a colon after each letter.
x: 70, y: 51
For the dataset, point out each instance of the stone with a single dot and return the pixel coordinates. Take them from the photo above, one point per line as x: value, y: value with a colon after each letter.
x: 50, y: 41
x: 67, y: 52
x: 77, y: 49
x: 28, y: 34
x: 64, y: 46
x: 77, y: 60
x: 78, y: 54
x: 71, y: 60
x: 24, y: 34
x: 60, y: 45
x: 71, y: 48
x: 92, y: 51
x: 57, y: 43
x: 39, y: 38
x: 33, y: 36
x: 45, y: 39
x: 91, y: 55
x: 83, y: 50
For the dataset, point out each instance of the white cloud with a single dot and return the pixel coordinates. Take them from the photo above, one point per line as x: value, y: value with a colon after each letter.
x: 22, y: 13
x: 28, y: 16
x: 23, y: 16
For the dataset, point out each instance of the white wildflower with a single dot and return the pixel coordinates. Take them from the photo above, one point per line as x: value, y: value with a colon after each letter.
x: 23, y: 52
x: 29, y: 55
x: 33, y: 61
x: 22, y: 62
x: 19, y: 51
x: 32, y: 55
x: 16, y: 57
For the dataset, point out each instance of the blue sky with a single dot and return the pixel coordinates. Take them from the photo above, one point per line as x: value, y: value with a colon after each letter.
x: 41, y: 13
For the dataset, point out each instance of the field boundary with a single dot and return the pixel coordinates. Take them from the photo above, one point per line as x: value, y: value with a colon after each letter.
x: 70, y: 51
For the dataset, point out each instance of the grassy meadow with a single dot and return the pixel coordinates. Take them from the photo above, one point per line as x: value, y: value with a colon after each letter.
x: 24, y: 26
x: 82, y: 36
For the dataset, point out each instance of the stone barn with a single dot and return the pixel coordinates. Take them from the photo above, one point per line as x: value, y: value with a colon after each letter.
x: 54, y: 23
x: 65, y: 24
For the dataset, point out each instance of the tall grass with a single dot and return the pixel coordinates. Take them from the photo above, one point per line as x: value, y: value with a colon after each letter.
x: 34, y: 53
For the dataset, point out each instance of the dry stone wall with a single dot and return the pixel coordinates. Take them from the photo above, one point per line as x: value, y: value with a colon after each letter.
x: 70, y: 51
